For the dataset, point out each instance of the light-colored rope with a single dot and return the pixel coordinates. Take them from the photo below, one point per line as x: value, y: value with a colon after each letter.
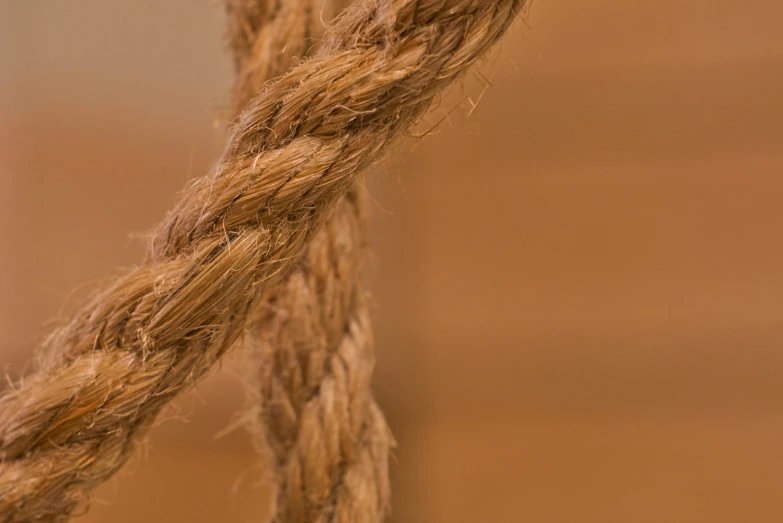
x: 295, y: 152
x: 316, y: 320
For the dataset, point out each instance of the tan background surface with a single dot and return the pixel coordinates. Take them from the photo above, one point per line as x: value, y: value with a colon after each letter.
x: 579, y: 287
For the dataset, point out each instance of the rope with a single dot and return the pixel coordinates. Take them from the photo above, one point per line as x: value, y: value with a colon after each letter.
x: 314, y: 330
x: 304, y: 323
x: 295, y: 151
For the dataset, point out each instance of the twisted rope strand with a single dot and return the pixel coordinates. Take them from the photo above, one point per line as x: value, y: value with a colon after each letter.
x: 317, y: 411
x: 295, y: 151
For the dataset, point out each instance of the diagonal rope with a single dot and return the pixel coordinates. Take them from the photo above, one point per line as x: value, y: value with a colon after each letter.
x: 295, y: 151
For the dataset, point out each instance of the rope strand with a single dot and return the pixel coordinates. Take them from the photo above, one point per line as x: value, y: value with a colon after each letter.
x: 295, y: 151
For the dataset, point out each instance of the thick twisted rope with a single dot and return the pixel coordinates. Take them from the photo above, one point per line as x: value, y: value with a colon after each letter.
x: 314, y: 323
x: 295, y: 151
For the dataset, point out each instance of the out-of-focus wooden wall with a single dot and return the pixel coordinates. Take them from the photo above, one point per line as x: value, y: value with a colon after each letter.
x: 579, y: 295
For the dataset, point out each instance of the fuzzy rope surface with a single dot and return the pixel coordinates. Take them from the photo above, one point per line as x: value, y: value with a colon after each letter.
x: 295, y: 152
x: 315, y: 406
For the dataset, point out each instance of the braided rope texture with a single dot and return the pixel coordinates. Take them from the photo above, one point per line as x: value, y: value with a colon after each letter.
x: 295, y: 151
x: 317, y: 413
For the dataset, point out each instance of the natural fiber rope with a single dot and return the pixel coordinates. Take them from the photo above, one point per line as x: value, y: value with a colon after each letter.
x: 317, y: 320
x: 295, y: 151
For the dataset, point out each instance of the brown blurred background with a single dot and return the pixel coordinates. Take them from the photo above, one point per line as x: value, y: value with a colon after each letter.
x: 579, y: 294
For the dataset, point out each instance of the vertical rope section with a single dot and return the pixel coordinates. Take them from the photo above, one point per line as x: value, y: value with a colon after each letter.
x: 296, y: 150
x: 314, y: 330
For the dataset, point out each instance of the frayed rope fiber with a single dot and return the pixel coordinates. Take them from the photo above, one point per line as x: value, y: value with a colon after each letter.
x: 295, y: 151
x: 327, y: 441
